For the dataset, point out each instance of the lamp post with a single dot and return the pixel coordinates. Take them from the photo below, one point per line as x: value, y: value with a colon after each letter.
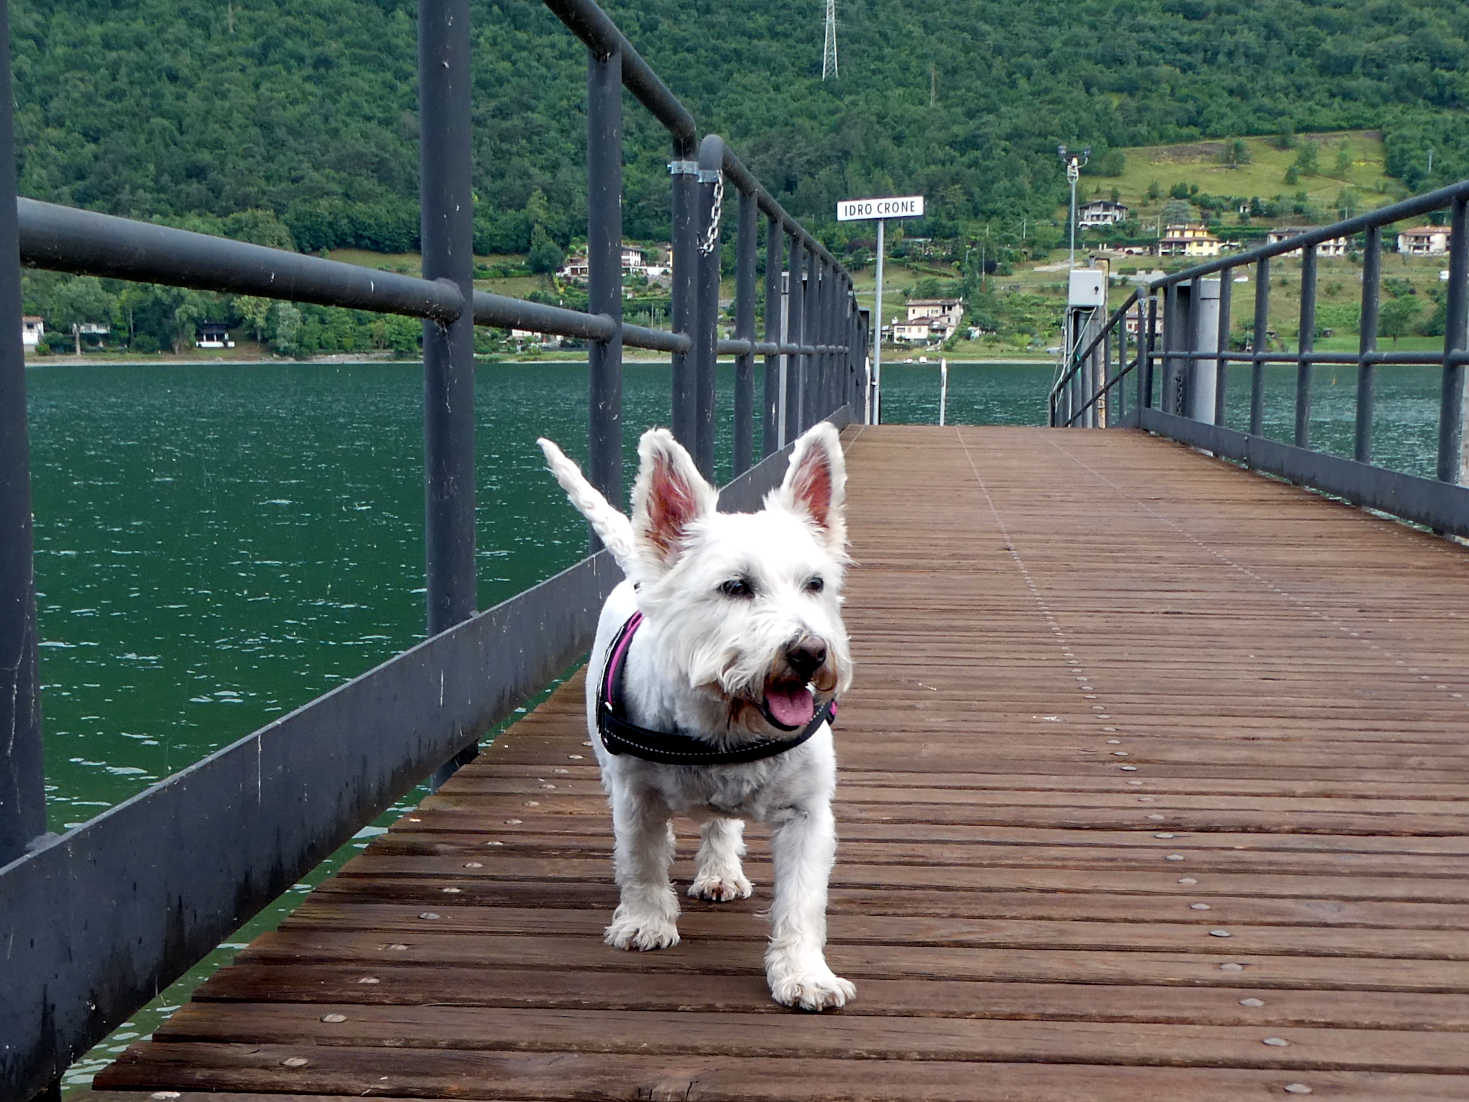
x: 1073, y: 162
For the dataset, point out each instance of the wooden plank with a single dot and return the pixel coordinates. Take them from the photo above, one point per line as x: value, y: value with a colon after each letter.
x: 715, y: 1078
x: 740, y: 1035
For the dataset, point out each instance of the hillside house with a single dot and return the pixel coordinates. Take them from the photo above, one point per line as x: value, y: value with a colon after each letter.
x: 1336, y: 246
x: 32, y: 330
x: 1132, y: 324
x: 930, y: 319
x: 1424, y: 241
x: 1188, y: 239
x: 633, y: 264
x: 1101, y: 212
x: 213, y: 334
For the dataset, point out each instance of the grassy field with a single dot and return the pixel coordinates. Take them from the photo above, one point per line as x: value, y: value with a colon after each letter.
x: 1262, y: 174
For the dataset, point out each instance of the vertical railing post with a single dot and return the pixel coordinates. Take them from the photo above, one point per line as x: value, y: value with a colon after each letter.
x: 1221, y: 344
x: 683, y: 171
x: 706, y: 311
x: 1305, y: 344
x: 1145, y: 353
x: 795, y: 334
x: 1259, y: 343
x: 604, y: 272
x: 1174, y: 336
x: 1367, y: 344
x: 816, y: 407
x: 1143, y: 366
x: 448, y: 349
x: 1451, y: 404
x: 1119, y: 417
x: 22, y: 764
x: 744, y: 395
x: 770, y: 399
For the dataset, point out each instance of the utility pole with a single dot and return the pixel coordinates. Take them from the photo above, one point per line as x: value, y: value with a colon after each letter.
x: 1073, y: 162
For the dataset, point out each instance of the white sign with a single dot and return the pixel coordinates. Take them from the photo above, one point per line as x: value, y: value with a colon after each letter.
x: 901, y: 206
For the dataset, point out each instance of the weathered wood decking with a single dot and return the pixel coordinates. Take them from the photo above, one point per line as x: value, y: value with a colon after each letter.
x: 1154, y: 786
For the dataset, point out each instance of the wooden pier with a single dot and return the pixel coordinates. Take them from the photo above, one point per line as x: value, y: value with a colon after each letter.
x: 1154, y: 785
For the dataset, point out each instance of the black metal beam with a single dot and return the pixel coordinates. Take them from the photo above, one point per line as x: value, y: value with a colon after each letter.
x: 22, y: 784
x: 604, y: 273
x: 448, y: 346
x: 64, y: 239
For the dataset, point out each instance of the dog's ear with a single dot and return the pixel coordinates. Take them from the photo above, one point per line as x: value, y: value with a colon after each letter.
x: 816, y: 484
x: 668, y: 496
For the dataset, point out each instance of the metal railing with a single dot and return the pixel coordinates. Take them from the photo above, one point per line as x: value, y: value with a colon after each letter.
x: 98, y: 920
x: 1189, y: 312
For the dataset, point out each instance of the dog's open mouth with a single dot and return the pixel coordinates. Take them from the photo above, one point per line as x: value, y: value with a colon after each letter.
x: 788, y: 706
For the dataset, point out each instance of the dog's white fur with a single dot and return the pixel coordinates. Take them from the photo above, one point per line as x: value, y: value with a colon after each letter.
x: 702, y: 663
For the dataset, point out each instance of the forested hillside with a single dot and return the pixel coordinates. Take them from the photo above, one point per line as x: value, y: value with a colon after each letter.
x: 304, y: 111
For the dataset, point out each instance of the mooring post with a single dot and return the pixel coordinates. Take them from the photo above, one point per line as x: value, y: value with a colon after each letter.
x: 22, y: 755
x: 1202, y: 372
x: 604, y: 273
x: 448, y: 348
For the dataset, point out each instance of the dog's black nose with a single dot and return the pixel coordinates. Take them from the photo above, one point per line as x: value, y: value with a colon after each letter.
x: 806, y: 655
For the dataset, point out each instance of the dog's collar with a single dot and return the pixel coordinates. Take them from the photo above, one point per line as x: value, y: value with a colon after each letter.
x: 620, y: 736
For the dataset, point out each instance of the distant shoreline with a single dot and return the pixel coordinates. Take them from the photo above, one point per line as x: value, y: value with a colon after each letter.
x: 167, y: 359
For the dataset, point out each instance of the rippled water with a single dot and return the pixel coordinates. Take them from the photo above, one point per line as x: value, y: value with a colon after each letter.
x: 216, y: 545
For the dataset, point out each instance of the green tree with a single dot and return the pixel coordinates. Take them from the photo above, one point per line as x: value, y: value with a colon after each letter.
x: 1308, y: 158
x: 1395, y: 317
x: 285, y: 338
x: 78, y: 302
x: 1177, y: 212
x: 544, y: 256
x: 255, y: 313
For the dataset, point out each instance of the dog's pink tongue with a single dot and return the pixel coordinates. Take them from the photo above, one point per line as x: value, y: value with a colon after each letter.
x: 791, y: 707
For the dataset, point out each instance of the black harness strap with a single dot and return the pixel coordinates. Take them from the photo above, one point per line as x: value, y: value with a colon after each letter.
x: 620, y: 736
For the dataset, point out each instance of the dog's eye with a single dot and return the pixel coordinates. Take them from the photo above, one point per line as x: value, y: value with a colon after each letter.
x: 815, y: 585
x: 738, y: 588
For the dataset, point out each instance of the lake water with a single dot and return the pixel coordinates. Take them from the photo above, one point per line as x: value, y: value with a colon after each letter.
x: 216, y: 545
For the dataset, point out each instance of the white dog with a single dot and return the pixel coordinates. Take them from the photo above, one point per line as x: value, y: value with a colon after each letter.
x: 714, y: 672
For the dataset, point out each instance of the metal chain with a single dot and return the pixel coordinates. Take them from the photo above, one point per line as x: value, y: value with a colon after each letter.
x: 716, y: 211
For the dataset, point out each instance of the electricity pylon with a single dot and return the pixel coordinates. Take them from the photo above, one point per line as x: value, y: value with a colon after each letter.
x: 829, y: 52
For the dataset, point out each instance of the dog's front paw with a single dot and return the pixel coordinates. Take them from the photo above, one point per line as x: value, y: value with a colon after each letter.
x: 810, y: 988
x: 720, y: 888
x: 640, y: 931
